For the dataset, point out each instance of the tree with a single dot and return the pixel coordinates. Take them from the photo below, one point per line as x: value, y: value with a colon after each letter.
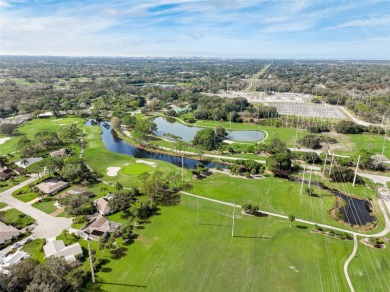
x: 116, y: 123
x: 129, y: 121
x: 220, y: 134
x: 291, y: 218
x: 276, y: 146
x: 280, y: 161
x: 7, y: 129
x: 3, y: 161
x: 22, y: 275
x: 50, y: 276
x: 121, y: 200
x: 309, y: 191
x: 142, y: 129
x: 348, y: 127
x: 205, y: 139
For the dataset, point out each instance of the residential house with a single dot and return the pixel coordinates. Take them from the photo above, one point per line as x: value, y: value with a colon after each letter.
x: 75, y: 191
x: 100, y: 226
x: 102, y: 206
x: 7, y: 261
x: 6, y: 173
x: 46, y: 115
x: 7, y: 232
x: 24, y: 163
x: 57, y: 248
x: 52, y: 187
x: 59, y: 153
x: 19, y: 170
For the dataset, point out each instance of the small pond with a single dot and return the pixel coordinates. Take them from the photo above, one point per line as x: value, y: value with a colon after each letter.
x: 115, y: 144
x: 187, y: 133
x: 355, y: 212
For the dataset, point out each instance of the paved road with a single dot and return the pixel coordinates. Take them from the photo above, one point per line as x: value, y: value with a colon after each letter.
x: 350, y: 258
x: 47, y: 226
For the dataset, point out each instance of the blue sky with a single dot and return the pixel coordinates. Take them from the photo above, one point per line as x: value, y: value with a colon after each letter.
x: 231, y: 28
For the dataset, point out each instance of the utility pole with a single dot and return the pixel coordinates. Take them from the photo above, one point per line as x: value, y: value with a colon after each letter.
x: 331, y: 165
x: 357, y: 166
x: 303, y: 178
x: 234, y: 211
x: 90, y: 262
x: 311, y: 171
x: 323, y: 171
x: 182, y: 166
x: 197, y: 211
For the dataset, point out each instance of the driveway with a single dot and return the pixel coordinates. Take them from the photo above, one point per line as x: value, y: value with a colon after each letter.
x: 47, y: 226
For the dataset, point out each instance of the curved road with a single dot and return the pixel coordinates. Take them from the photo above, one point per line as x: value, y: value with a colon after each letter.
x: 46, y: 226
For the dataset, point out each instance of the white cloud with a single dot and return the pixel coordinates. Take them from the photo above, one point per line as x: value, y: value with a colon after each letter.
x: 4, y: 4
x: 370, y: 21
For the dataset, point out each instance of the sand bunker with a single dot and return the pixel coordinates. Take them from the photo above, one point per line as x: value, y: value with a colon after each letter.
x: 153, y: 164
x: 3, y: 140
x: 112, y: 171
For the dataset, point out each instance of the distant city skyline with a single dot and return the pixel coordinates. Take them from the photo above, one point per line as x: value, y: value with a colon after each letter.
x: 296, y: 29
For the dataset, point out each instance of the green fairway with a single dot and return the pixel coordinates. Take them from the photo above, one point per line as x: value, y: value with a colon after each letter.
x: 38, y: 125
x: 172, y: 253
x: 370, y: 269
x: 271, y: 194
x: 95, y: 148
x: 138, y: 168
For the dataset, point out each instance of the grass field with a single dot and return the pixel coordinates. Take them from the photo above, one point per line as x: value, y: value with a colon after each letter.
x: 135, y: 169
x: 38, y: 125
x: 270, y: 194
x: 95, y: 148
x: 17, y: 219
x: 370, y: 269
x: 371, y: 142
x: 3, y: 205
x: 172, y: 253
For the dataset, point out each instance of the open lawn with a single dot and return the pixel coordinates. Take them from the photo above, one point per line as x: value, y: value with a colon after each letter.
x: 95, y: 148
x: 270, y: 194
x: 46, y: 206
x: 372, y: 143
x: 17, y: 219
x: 33, y: 248
x: 172, y: 253
x: 370, y: 269
x: 24, y: 194
x: 3, y: 205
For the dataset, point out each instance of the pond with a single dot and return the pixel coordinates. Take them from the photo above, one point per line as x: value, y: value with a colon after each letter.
x: 355, y: 211
x: 115, y: 144
x: 187, y: 133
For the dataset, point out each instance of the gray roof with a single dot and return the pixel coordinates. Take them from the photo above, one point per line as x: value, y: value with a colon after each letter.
x: 29, y: 161
x: 57, y: 248
x: 7, y: 232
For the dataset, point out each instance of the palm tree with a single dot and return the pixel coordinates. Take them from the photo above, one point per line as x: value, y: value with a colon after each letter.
x: 291, y: 218
x: 3, y: 161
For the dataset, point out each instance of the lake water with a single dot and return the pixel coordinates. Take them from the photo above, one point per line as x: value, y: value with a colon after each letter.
x: 115, y: 144
x: 187, y: 133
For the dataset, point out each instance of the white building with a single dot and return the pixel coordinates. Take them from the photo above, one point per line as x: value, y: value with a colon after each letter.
x: 57, y: 248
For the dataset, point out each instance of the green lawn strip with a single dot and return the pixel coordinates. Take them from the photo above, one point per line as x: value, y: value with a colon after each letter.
x: 370, y: 269
x: 266, y: 254
x: 34, y: 249
x: 3, y: 205
x: 46, y: 206
x: 9, y: 183
x: 17, y: 219
x: 106, y: 158
x: 23, y: 194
